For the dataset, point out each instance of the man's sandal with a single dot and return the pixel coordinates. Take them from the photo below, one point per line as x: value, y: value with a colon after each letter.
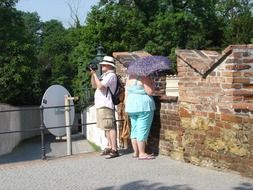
x: 106, y: 151
x: 113, y: 154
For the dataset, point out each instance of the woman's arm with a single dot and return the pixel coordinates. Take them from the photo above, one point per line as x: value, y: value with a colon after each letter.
x: 148, y: 85
x: 126, y: 86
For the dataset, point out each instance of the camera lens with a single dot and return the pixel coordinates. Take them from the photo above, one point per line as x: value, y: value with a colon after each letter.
x: 91, y: 66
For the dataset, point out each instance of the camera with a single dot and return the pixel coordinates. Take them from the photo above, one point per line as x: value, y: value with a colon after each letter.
x: 91, y: 66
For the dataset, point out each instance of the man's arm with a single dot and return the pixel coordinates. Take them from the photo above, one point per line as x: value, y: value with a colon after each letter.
x: 93, y: 84
x: 95, y: 81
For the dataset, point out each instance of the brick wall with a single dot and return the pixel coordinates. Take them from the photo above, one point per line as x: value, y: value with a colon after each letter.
x: 216, y: 99
x: 166, y: 132
x: 210, y: 123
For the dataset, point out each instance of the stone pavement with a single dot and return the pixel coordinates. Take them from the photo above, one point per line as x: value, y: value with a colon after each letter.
x: 88, y: 170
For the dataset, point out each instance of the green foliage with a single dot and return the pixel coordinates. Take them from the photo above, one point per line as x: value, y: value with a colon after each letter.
x: 19, y: 81
x: 54, y: 55
x: 7, y: 3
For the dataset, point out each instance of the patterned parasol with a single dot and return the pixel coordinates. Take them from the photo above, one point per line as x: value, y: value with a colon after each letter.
x: 148, y: 65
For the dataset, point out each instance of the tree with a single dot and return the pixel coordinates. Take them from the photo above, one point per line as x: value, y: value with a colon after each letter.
x: 8, y: 3
x: 54, y: 55
x: 33, y: 26
x: 19, y: 82
x: 237, y: 21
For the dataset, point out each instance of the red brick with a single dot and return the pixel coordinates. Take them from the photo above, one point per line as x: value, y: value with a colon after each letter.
x: 206, y: 94
x: 181, y: 74
x: 248, y: 99
x: 236, y: 86
x: 215, y: 132
x: 248, y: 74
x: 184, y: 113
x: 231, y: 74
x: 247, y: 60
x: 229, y: 61
x: 227, y: 126
x: 238, y: 80
x: 250, y: 86
x: 231, y: 98
x: 241, y: 80
x: 190, y: 84
x: 243, y: 106
x: 237, y: 54
x: 211, y: 115
x: 238, y: 67
x: 231, y: 118
x: 219, y: 124
x: 239, y: 92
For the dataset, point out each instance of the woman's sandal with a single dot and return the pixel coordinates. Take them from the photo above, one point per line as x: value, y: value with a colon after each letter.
x: 113, y: 154
x: 106, y: 151
x: 147, y: 157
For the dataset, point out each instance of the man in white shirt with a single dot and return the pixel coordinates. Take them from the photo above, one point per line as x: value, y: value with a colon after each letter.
x: 104, y: 104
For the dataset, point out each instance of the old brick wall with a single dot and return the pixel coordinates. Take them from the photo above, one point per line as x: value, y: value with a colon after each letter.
x: 166, y: 133
x: 216, y: 98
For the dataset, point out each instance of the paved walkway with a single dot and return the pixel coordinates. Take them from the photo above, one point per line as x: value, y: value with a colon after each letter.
x: 88, y: 170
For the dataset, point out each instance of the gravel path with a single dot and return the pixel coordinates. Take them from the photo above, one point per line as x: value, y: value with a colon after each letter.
x: 91, y: 171
x: 24, y: 170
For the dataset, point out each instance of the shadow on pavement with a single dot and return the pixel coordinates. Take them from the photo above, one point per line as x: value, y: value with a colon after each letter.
x: 143, y: 185
x: 244, y: 186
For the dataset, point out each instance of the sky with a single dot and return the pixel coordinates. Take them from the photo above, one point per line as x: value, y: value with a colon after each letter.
x: 57, y: 9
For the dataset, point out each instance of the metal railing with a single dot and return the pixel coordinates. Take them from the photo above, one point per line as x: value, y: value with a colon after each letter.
x: 43, y: 128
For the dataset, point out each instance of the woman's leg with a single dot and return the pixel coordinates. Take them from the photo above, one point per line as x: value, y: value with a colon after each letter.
x: 135, y: 147
x: 143, y: 128
x: 133, y: 135
x: 141, y: 148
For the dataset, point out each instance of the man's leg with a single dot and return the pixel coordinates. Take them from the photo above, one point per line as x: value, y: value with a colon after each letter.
x: 107, y: 135
x: 113, y: 139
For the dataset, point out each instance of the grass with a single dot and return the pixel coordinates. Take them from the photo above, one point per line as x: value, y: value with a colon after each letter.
x: 94, y: 146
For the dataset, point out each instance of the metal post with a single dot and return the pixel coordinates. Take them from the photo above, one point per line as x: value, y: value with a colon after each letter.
x: 68, y: 128
x: 42, y: 133
x: 82, y: 122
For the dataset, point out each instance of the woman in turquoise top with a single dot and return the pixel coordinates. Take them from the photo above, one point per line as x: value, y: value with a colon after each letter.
x: 140, y: 107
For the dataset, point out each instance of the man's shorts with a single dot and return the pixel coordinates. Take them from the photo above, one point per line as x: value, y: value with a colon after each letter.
x: 105, y: 118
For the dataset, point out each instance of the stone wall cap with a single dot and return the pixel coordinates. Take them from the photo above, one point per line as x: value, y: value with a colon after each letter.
x: 126, y: 57
x: 204, y: 61
x: 238, y: 46
x: 200, y: 60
